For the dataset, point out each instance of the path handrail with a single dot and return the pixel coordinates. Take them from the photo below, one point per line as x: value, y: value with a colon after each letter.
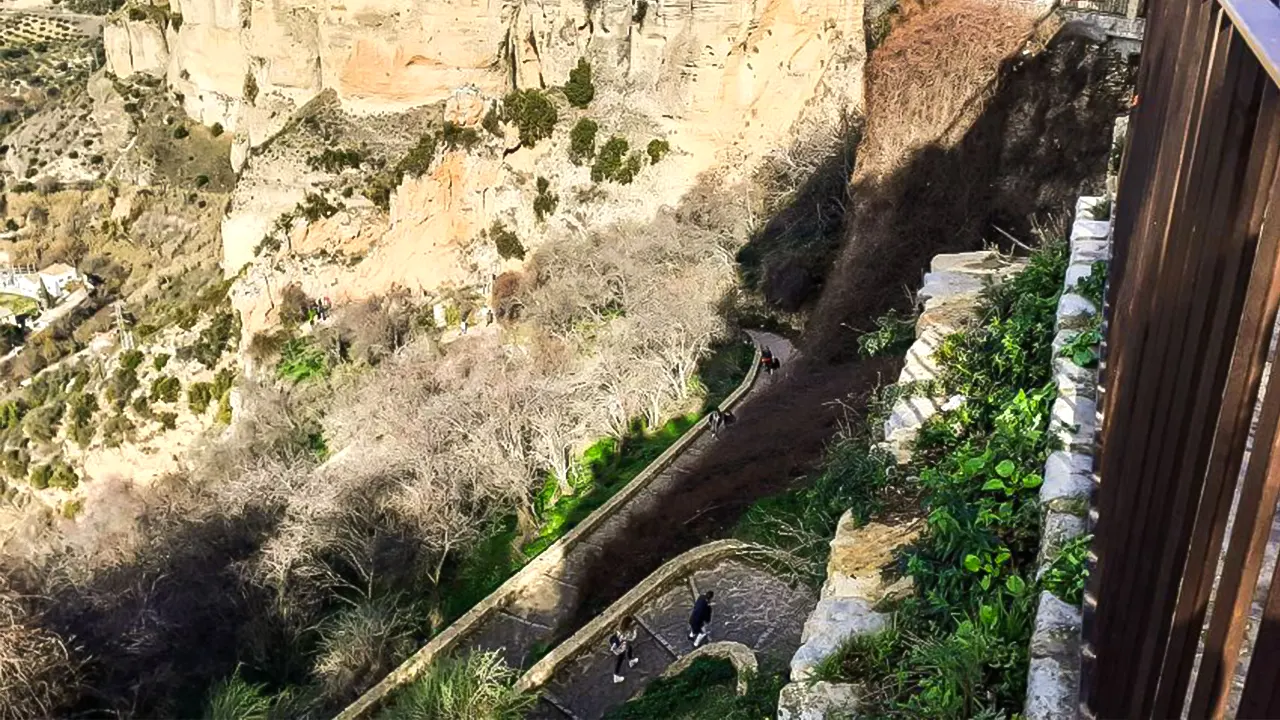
x: 658, y: 581
x: 548, y: 559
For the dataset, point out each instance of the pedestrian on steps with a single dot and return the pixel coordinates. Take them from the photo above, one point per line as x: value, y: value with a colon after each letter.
x: 700, y: 618
x: 620, y: 644
x: 716, y: 422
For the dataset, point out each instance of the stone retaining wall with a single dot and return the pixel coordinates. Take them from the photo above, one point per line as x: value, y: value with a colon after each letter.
x: 594, y: 632
x: 448, y: 640
x: 1054, y: 678
x: 856, y: 571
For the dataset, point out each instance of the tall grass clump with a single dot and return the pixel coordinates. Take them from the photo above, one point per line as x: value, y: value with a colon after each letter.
x: 479, y: 685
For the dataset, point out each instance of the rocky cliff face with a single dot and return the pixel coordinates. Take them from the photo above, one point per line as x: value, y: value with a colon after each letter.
x: 723, y: 81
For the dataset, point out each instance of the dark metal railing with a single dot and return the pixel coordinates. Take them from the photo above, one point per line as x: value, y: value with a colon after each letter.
x: 1189, y: 445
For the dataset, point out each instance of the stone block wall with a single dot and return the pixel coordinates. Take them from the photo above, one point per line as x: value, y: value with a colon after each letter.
x: 1054, y: 678
x: 857, y: 582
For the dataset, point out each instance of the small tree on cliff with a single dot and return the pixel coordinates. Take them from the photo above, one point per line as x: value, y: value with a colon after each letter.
x: 532, y: 112
x: 579, y: 90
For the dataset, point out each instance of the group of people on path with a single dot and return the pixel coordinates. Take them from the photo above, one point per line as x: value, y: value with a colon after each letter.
x: 622, y: 641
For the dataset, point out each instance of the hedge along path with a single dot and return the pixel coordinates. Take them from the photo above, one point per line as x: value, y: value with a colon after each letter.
x: 755, y: 610
x: 532, y: 608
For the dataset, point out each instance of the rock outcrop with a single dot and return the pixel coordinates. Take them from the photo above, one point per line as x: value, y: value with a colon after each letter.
x: 728, y: 70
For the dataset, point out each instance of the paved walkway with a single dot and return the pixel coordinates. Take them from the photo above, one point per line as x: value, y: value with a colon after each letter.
x: 751, y: 607
x: 544, y: 612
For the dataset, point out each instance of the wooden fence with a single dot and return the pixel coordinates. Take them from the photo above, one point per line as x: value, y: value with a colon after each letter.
x: 1186, y: 501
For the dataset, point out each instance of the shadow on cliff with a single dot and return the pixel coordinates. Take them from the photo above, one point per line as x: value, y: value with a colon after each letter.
x: 1042, y: 139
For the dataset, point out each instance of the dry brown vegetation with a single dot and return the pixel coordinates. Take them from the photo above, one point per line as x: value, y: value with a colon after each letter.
x: 38, y: 672
x: 940, y: 58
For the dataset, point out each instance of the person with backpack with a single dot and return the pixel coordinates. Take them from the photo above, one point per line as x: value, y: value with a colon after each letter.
x: 620, y: 645
x: 767, y: 361
x: 700, y: 618
x: 715, y: 422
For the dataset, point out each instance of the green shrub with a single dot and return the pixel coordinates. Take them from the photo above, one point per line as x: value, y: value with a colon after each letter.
x: 302, y: 360
x: 315, y: 206
x: 454, y: 135
x: 16, y: 462
x: 11, y: 412
x: 335, y: 160
x: 199, y: 395
x: 131, y: 359
x: 506, y: 241
x: 610, y: 160
x: 137, y: 14
x: 705, y: 691
x: 180, y: 132
x: 532, y: 112
x: 960, y: 645
x: 63, y: 476
x: 142, y: 406
x: 894, y: 333
x: 477, y: 685
x: 419, y: 158
x: 545, y: 203
x: 492, y: 122
x: 216, y: 129
x: 629, y: 169
x: 40, y: 476
x: 166, y: 389
x: 657, y: 150
x: 579, y: 90
x: 250, y: 88
x: 223, y: 416
x: 160, y: 360
x: 167, y: 420
x: 1068, y: 572
x: 582, y: 141
x: 214, y: 340
x: 72, y: 508
x: 116, y: 430
x: 236, y: 699
x: 202, y: 180
x: 41, y: 424
x: 81, y: 407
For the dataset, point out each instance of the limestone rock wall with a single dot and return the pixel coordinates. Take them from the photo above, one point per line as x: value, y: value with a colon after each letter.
x: 247, y: 64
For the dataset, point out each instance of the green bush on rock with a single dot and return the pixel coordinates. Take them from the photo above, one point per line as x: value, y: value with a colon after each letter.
x: 582, y: 141
x: 580, y: 90
x: 532, y: 112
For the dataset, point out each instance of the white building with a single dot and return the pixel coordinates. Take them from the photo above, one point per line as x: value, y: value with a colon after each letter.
x: 56, y: 277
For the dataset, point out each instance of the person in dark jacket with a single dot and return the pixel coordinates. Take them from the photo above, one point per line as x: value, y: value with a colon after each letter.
x: 700, y: 618
x: 620, y: 644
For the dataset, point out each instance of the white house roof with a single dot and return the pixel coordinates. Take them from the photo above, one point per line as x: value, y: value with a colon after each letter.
x: 58, y: 269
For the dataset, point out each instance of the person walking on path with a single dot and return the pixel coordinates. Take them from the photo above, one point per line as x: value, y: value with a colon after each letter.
x: 716, y: 422
x: 700, y: 618
x: 620, y: 645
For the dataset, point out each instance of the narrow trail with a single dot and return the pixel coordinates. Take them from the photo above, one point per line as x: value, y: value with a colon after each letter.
x: 752, y: 607
x: 553, y: 608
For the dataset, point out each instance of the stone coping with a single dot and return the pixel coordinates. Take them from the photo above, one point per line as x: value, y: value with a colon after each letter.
x: 740, y: 656
x: 548, y: 559
x: 1053, y: 679
x: 658, y: 582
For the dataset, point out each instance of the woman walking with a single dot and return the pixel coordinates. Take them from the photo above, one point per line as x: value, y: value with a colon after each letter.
x: 620, y: 645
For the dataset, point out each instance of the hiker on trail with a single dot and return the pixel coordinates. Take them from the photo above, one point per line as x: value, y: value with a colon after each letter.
x: 463, y: 327
x: 700, y: 618
x: 720, y: 419
x: 768, y: 361
x: 620, y: 645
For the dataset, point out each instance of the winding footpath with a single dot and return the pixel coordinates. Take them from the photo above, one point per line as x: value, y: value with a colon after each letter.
x: 541, y: 613
x: 752, y: 607
x: 537, y: 607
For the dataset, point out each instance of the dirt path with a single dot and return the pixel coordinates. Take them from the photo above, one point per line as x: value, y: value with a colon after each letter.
x: 550, y: 610
x: 752, y: 607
